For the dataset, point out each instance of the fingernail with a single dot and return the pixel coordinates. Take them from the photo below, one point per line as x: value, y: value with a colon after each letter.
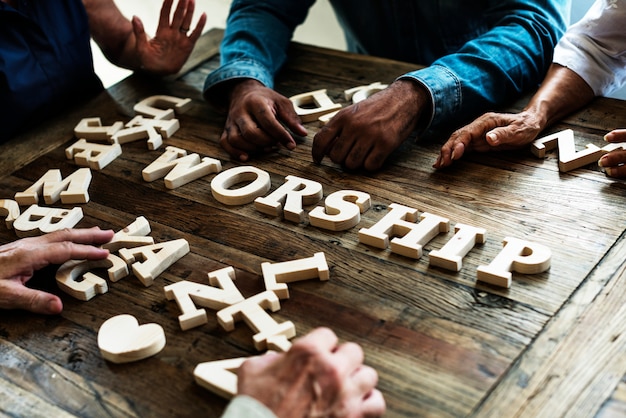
x: 452, y: 156
x: 608, y: 137
x: 493, y: 139
x: 608, y: 171
x: 600, y: 163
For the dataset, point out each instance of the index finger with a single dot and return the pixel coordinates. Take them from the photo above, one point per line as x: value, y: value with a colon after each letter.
x: 324, y: 140
x: 93, y: 235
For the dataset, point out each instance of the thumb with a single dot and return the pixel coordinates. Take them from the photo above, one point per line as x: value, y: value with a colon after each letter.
x: 498, y: 136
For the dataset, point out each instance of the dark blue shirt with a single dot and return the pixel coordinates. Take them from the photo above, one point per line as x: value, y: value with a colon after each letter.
x: 45, y: 61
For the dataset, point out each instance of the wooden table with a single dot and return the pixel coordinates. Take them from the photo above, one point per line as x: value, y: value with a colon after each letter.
x: 553, y: 344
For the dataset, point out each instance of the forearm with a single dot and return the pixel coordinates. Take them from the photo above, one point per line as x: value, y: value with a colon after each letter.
x: 510, y: 58
x: 562, y: 92
x: 255, y: 42
x: 112, y: 32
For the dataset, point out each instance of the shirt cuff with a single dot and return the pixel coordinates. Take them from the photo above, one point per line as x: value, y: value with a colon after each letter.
x: 248, y: 407
x: 445, y: 92
x: 249, y: 69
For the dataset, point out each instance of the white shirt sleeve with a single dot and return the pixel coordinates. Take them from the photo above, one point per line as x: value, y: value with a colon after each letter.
x: 595, y: 47
x: 242, y: 406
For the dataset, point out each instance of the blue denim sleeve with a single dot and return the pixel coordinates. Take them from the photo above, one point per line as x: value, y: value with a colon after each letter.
x: 507, y: 60
x: 255, y: 42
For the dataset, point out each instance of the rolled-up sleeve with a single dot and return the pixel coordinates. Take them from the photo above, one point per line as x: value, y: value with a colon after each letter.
x: 497, y: 66
x: 595, y: 47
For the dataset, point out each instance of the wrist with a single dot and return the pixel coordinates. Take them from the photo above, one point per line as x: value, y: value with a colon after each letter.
x: 417, y: 98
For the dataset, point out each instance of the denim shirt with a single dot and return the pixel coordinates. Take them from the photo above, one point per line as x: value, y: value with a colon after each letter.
x: 480, y: 53
x: 45, y: 61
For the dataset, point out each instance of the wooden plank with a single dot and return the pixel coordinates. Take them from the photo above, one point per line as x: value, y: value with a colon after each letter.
x: 580, y: 357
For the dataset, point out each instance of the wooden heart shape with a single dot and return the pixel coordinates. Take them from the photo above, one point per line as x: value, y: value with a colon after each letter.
x: 121, y: 339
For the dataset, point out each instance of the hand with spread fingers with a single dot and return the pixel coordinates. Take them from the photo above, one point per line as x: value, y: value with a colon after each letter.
x: 126, y: 43
x: 317, y: 377
x: 172, y: 44
x: 20, y: 259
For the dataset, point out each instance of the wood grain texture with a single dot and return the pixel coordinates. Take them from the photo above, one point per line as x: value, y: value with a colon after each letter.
x: 444, y: 344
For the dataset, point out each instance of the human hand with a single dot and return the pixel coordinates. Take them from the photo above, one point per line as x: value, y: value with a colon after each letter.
x: 491, y: 132
x: 315, y: 378
x: 614, y: 163
x: 20, y: 259
x: 257, y: 120
x: 364, y: 134
x: 170, y: 48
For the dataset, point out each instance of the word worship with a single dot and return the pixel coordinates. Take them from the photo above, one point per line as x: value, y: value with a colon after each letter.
x: 121, y: 339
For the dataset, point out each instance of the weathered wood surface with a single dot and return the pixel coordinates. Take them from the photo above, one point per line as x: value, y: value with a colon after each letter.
x: 444, y: 345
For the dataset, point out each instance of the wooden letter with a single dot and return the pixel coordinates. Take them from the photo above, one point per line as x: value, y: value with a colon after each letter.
x: 220, y: 377
x: 252, y: 311
x: 276, y: 275
x: 156, y: 258
x: 162, y: 107
x: 134, y: 235
x: 95, y: 156
x: 90, y: 285
x: 343, y: 210
x: 71, y: 190
x: 294, y: 193
x: 415, y: 236
x: 36, y: 220
x: 317, y: 103
x: 220, y: 294
x: 121, y: 339
x: 260, y: 184
x: 518, y: 255
x: 92, y: 130
x: 450, y: 257
x: 11, y: 210
x: 166, y: 128
x: 137, y: 133
x: 569, y: 158
x: 182, y: 170
x: 360, y: 93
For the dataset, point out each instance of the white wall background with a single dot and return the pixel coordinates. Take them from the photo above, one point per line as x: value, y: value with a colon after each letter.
x: 321, y: 28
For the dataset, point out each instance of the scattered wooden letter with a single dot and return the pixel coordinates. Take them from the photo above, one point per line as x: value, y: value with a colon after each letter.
x: 269, y: 333
x: 450, y: 256
x: 219, y: 377
x: 165, y: 127
x: 180, y: 168
x: 276, y: 275
x: 342, y: 210
x: 401, y: 221
x: 90, y: 285
x: 310, y: 106
x: 517, y: 255
x: 155, y: 259
x: 162, y: 107
x: 95, y: 156
x: 73, y: 189
x: 222, y: 183
x: 134, y: 235
x: 10, y: 210
x: 294, y: 193
x: 220, y: 294
x: 91, y: 129
x: 38, y: 220
x: 137, y: 133
x: 121, y: 339
x: 569, y: 158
